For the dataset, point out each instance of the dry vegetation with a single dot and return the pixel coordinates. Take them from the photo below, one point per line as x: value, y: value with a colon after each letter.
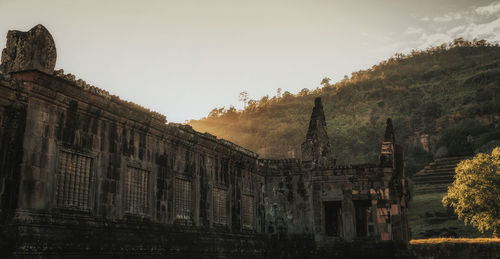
x: 454, y: 240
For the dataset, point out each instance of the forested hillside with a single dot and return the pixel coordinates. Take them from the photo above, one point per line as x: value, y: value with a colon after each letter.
x: 444, y: 101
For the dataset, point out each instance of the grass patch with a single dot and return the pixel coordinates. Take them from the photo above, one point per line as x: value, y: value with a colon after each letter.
x: 454, y: 240
x: 428, y: 218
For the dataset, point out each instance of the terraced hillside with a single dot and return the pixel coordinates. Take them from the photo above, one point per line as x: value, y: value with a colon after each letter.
x: 427, y: 216
x: 436, y: 176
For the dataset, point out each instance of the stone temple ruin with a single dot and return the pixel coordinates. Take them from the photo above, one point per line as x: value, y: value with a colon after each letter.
x: 83, y: 172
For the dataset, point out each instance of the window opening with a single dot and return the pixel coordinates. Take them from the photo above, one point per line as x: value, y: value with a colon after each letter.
x: 137, y: 182
x: 73, y: 181
x: 182, y: 199
x: 219, y: 204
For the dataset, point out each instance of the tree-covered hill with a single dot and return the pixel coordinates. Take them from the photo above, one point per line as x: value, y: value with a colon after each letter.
x: 444, y: 101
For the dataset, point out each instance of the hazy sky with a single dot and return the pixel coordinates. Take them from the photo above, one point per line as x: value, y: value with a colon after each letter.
x: 183, y: 58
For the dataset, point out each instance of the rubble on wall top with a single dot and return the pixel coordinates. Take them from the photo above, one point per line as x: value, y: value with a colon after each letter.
x: 298, y: 161
x: 105, y: 94
x: 351, y: 166
x: 280, y: 161
x: 82, y: 84
x: 181, y: 126
x: 238, y: 148
x: 210, y: 136
x: 184, y: 127
x: 188, y: 128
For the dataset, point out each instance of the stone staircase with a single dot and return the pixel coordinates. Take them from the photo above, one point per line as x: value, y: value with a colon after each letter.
x: 437, y: 175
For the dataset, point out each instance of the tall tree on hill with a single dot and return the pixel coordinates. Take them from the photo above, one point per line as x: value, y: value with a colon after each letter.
x: 325, y: 82
x: 243, y: 97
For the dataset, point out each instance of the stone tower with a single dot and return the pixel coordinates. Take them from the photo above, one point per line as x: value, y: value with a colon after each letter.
x: 316, y: 148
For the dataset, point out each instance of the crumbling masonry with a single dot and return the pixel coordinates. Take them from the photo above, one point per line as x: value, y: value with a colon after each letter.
x: 84, y: 172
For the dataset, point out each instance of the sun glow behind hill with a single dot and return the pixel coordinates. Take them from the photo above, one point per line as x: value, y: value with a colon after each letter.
x: 437, y: 93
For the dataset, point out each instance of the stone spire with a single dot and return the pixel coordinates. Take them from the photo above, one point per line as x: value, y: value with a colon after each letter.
x: 317, y: 148
x: 387, y: 152
x: 389, y: 131
x: 34, y: 49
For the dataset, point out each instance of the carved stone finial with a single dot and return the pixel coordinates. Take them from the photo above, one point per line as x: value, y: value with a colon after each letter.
x: 34, y: 49
x: 388, y: 145
x: 389, y: 131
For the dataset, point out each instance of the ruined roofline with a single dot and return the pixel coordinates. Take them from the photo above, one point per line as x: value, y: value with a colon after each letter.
x: 348, y: 166
x: 354, y: 166
x: 187, y: 128
x: 81, y: 85
x: 103, y: 93
x: 272, y: 161
x: 279, y: 161
x: 298, y: 161
x: 236, y: 147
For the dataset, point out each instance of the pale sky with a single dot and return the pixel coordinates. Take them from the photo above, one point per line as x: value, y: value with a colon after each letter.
x: 183, y: 58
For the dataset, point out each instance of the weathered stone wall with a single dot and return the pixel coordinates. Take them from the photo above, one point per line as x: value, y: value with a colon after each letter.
x: 13, y: 108
x: 288, y: 197
x: 61, y: 117
x: 297, y: 196
x: 346, y: 185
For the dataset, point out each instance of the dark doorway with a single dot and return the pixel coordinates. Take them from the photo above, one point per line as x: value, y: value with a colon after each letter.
x: 362, y: 210
x: 333, y: 217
